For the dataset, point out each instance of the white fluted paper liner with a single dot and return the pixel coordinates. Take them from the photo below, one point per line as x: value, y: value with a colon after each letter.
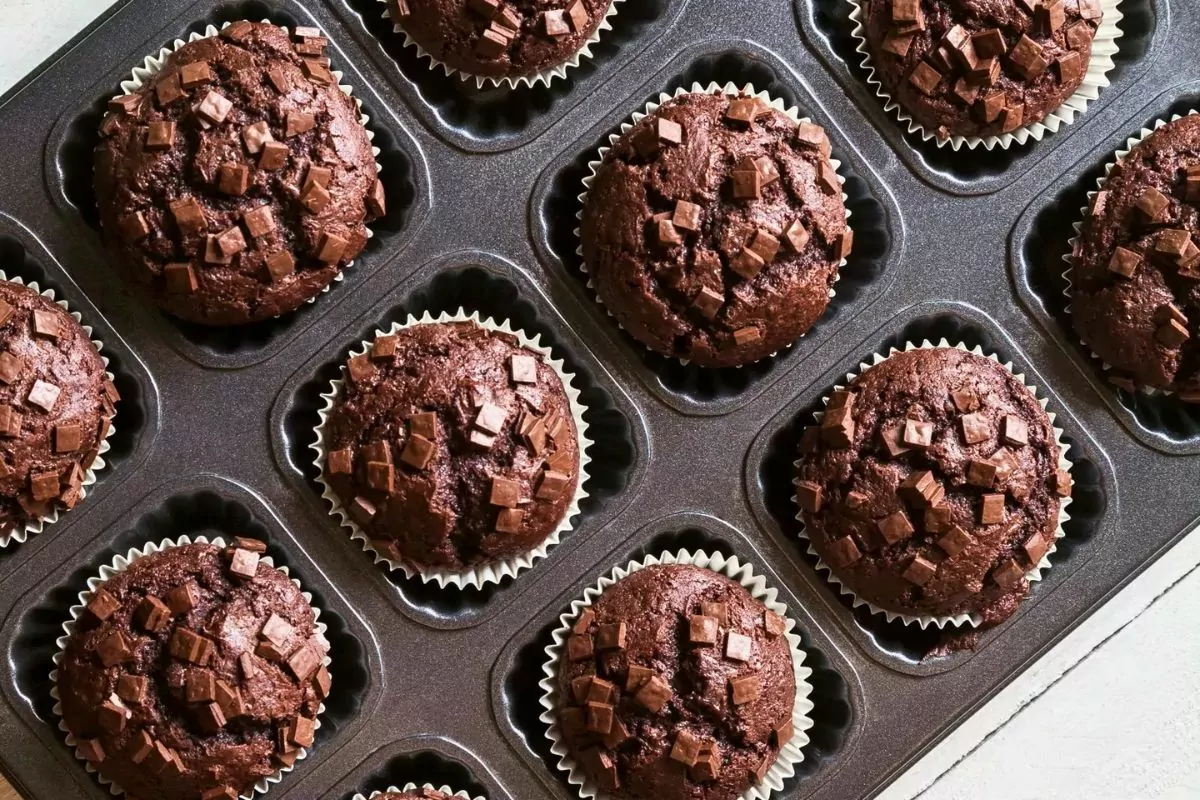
x: 712, y: 88
x: 1104, y: 47
x: 1033, y: 575
x: 482, y: 574
x: 792, y: 752
x: 1069, y: 257
x: 153, y: 64
x: 120, y: 564
x: 408, y: 787
x: 35, y: 526
x: 511, y: 81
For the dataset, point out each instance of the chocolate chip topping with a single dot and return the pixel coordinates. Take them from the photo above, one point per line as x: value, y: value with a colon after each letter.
x: 443, y: 457
x: 499, y: 38
x: 1136, y: 266
x: 980, y: 67
x: 923, y: 530
x: 162, y: 697
x: 55, y: 406
x: 697, y: 700
x: 424, y: 793
x: 718, y: 242
x: 213, y: 221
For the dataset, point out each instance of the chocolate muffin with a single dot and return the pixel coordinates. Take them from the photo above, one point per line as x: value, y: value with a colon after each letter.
x: 676, y: 683
x: 194, y: 673
x: 500, y: 38
x: 714, y: 228
x: 980, y: 67
x: 423, y: 793
x: 452, y: 446
x: 237, y: 182
x: 1135, y: 276
x: 932, y: 485
x: 56, y: 407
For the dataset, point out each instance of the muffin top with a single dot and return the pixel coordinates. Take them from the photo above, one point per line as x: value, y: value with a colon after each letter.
x: 236, y: 183
x: 714, y: 228
x: 1135, y: 273
x: 194, y: 671
x: 932, y: 485
x: 424, y: 793
x: 500, y: 38
x: 980, y: 67
x: 676, y: 684
x: 56, y: 406
x: 451, y: 445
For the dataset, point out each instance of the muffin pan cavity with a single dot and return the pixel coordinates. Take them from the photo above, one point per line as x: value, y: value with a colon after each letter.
x: 836, y: 706
x: 1040, y: 242
x: 491, y: 118
x: 475, y: 282
x: 77, y: 135
x: 201, y: 506
x: 828, y: 30
x: 908, y: 646
x: 420, y: 760
x: 865, y: 276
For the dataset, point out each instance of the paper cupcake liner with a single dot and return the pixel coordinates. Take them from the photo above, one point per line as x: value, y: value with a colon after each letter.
x: 153, y: 64
x: 120, y: 564
x: 712, y: 88
x: 408, y: 787
x: 1033, y: 575
x: 1104, y: 47
x: 482, y: 574
x: 1073, y: 242
x: 36, y: 526
x: 511, y: 81
x: 790, y: 755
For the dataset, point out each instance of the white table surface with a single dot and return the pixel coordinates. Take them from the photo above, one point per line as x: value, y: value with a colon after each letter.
x: 1112, y: 713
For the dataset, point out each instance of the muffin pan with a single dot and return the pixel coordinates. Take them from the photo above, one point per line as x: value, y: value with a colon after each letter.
x: 215, y: 427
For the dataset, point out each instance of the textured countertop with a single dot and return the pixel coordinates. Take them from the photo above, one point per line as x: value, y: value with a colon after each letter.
x: 1112, y: 712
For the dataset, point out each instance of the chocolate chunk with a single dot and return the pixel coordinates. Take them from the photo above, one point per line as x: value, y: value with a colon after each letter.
x: 745, y: 689
x: 599, y: 717
x: 103, y: 605
x: 992, y: 510
x: 10, y: 366
x: 152, y: 614
x: 491, y: 43
x: 1063, y: 483
x: 1009, y: 574
x: 274, y: 156
x: 44, y: 485
x: 1153, y: 205
x: 418, y: 451
x: 653, y: 694
x: 377, y: 200
x: 554, y: 23
x: 747, y: 335
x: 837, y: 428
x: 686, y: 748
x: 188, y: 215
x: 1028, y: 58
x: 747, y: 184
x: 809, y: 496
x: 1070, y: 68
x: 920, y: 571
x: 765, y: 245
x: 921, y: 489
x: 1036, y: 548
x: 211, y: 718
x: 523, y: 369
x: 280, y: 265
x: 747, y: 263
x: 917, y: 433
x: 160, y: 135
x: 843, y: 245
x: 10, y: 422
x: 718, y: 611
x: 955, y: 541
x: 132, y: 688
x: 577, y: 13
x: 827, y: 179
x: 981, y: 473
x: 180, y: 278
x: 702, y: 630
x: 188, y: 646
x: 579, y: 647
x: 895, y: 527
x: 1172, y: 334
x: 244, y: 564
x: 844, y: 552
x: 133, y: 227
x: 214, y: 108
x: 1015, y: 431
x: 925, y: 78
x: 505, y: 493
x: 491, y: 418
x: 297, y: 123
x: 738, y: 647
x: 898, y: 43
x: 91, y: 750
x: 611, y: 637
x: 708, y: 302
x: 304, y: 662
x: 773, y: 624
x: 975, y: 428
x: 666, y: 234
x: 183, y: 598
x: 201, y: 686
x: 509, y: 521
x: 796, y: 236
x: 114, y: 650
x: 259, y: 221
x: 636, y: 677
x: 168, y: 90
x: 1049, y: 17
x: 1124, y: 262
